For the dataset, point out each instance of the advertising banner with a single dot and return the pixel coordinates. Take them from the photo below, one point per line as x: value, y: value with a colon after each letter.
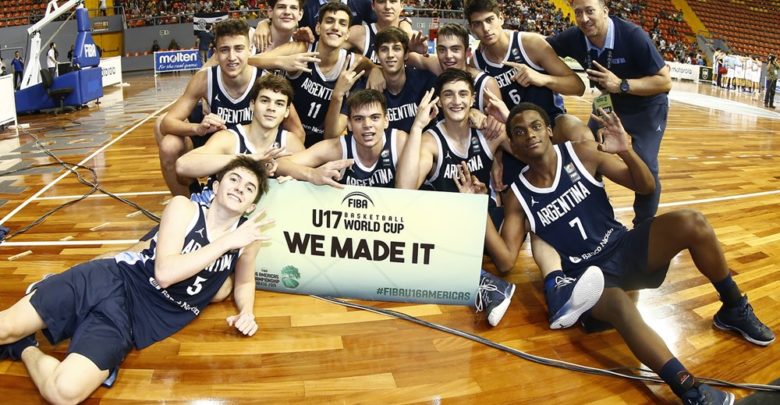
x: 373, y: 243
x: 112, y: 70
x: 174, y: 61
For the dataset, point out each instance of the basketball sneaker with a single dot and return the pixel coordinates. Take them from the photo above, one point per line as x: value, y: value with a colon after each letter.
x: 741, y: 319
x: 703, y: 394
x: 493, y: 296
x: 571, y: 297
x: 14, y: 350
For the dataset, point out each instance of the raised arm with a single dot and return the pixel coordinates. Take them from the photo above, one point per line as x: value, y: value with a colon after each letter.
x: 320, y: 164
x: 335, y: 121
x: 502, y: 248
x: 210, y: 158
x: 171, y: 265
x: 629, y: 171
x: 417, y: 158
x: 174, y: 122
x: 559, y: 77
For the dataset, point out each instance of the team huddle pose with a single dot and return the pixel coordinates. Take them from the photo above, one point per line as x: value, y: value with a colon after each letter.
x: 361, y: 103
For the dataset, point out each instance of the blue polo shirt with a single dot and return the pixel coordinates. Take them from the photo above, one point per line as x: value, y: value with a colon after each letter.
x: 628, y: 51
x: 18, y: 65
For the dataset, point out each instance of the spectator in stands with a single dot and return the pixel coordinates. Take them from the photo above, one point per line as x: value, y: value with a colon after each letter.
x: 103, y: 8
x: 173, y: 46
x: 621, y: 60
x: 18, y: 65
x: 771, y: 81
x: 70, y: 53
x: 155, y: 46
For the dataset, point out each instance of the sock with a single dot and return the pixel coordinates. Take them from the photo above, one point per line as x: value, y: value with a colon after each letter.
x: 678, y: 378
x: 549, y: 281
x: 728, y: 291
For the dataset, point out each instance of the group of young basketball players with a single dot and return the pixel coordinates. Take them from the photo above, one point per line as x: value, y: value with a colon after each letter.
x: 389, y: 115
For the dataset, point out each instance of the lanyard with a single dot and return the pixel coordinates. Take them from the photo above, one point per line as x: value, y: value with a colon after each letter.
x: 589, y: 61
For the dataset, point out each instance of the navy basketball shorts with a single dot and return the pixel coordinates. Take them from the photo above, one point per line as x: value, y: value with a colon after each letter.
x: 627, y: 266
x: 87, y: 303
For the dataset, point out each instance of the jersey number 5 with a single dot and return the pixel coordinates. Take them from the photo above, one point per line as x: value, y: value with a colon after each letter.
x: 196, y: 286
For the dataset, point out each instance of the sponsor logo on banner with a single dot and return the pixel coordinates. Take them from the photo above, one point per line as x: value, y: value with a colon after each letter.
x: 372, y: 243
x: 112, y: 70
x: 172, y: 61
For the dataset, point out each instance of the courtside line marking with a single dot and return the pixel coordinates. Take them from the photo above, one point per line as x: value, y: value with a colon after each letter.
x: 88, y: 158
x: 623, y: 209
x: 62, y: 197
x: 707, y: 200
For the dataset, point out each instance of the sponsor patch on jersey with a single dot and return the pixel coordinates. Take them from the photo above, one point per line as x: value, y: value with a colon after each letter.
x: 572, y: 172
x: 475, y: 144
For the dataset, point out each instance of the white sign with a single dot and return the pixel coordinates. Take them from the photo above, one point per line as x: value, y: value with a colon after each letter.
x: 684, y: 71
x: 373, y: 243
x: 112, y: 70
x: 7, y: 103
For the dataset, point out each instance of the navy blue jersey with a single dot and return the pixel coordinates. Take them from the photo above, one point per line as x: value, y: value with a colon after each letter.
x: 574, y: 214
x: 313, y: 92
x: 512, y: 92
x: 479, y: 157
x: 402, y: 107
x: 233, y: 111
x: 480, y: 84
x: 381, y: 173
x: 157, y: 312
x: 369, y: 47
x: 633, y: 55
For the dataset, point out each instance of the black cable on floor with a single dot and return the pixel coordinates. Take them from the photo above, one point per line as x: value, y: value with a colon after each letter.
x: 627, y: 374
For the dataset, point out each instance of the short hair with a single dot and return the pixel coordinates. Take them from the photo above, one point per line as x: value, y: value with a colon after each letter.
x: 230, y: 28
x: 365, y: 97
x: 390, y: 35
x: 453, y: 75
x: 333, y: 7
x: 480, y: 6
x: 270, y: 81
x: 522, y: 107
x: 455, y: 30
x: 255, y: 167
x: 272, y: 3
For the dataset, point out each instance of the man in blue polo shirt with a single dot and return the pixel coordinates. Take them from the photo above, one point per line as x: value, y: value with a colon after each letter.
x: 623, y: 62
x: 18, y: 65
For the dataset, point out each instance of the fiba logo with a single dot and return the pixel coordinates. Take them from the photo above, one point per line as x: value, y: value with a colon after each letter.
x: 90, y: 50
x: 357, y: 199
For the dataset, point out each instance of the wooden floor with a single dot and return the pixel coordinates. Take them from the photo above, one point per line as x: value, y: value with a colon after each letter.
x: 309, y: 351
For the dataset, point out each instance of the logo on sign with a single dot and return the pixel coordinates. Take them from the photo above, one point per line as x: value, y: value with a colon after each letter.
x: 357, y: 199
x: 90, y: 50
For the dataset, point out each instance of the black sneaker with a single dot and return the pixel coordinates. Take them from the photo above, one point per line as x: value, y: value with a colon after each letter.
x: 703, y: 394
x: 571, y: 297
x: 14, y: 350
x: 742, y: 319
x: 494, y: 296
